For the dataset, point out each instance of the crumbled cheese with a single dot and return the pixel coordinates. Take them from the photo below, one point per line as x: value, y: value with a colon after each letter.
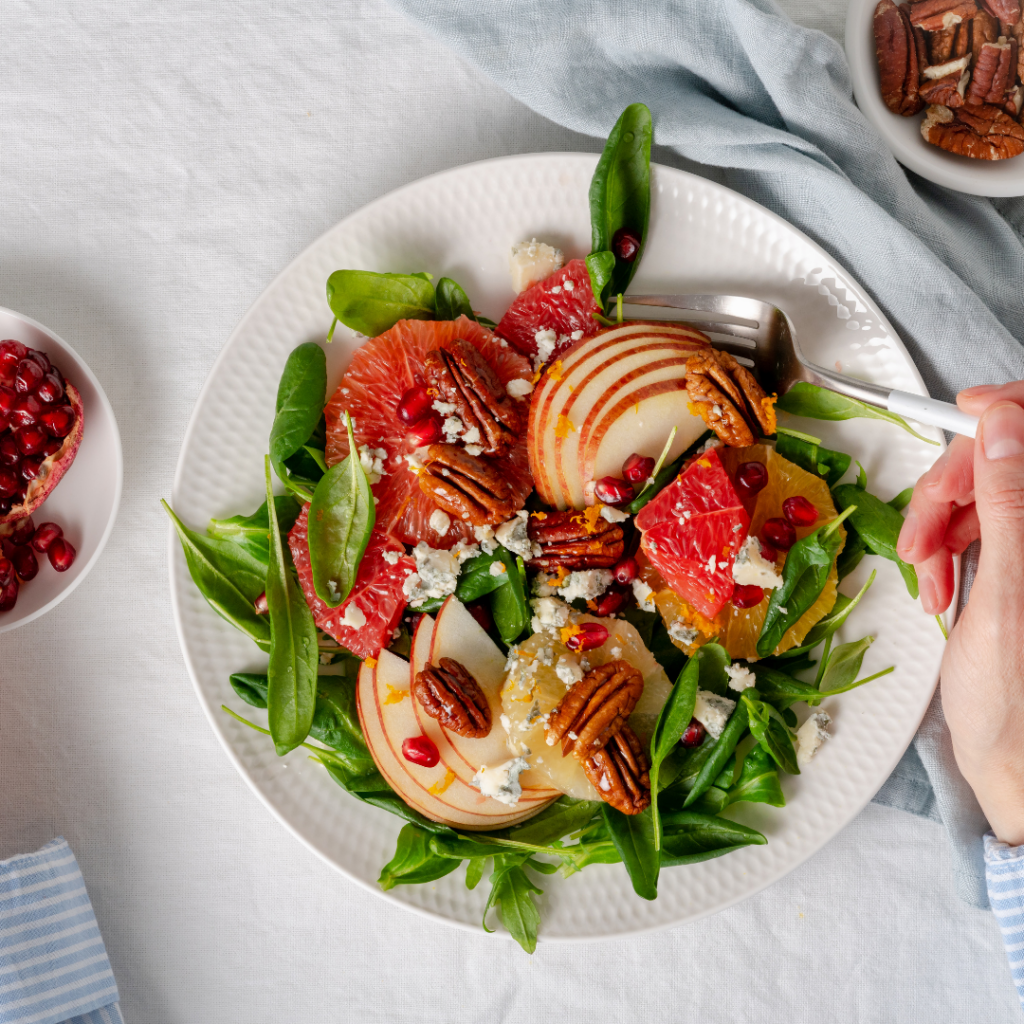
x: 683, y: 632
x: 811, y: 735
x: 585, y: 585
x: 740, y: 677
x: 472, y: 436
x: 616, y: 652
x: 752, y: 569
x: 513, y: 535
x: 474, y: 449
x: 415, y: 460
x: 543, y: 585
x: 464, y: 551
x: 497, y: 568
x: 353, y: 617
x: 713, y: 712
x: 501, y: 781
x: 546, y: 656
x: 568, y: 670
x: 546, y: 342
x: 519, y: 387
x: 576, y: 335
x: 613, y: 515
x: 643, y: 594
x: 445, y: 408
x: 531, y: 262
x: 392, y: 557
x: 485, y: 538
x: 436, y: 575
x: 372, y: 461
x: 439, y: 521
x: 453, y: 428
x: 549, y: 614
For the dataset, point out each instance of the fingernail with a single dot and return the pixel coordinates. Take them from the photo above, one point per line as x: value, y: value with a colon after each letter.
x: 929, y: 600
x: 981, y: 389
x: 1002, y: 431
x: 905, y: 544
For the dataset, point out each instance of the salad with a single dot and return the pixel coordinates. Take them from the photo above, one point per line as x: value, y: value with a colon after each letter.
x: 553, y: 589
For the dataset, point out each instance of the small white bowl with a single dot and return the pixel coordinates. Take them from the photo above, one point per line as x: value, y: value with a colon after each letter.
x: 903, y: 134
x: 85, y: 501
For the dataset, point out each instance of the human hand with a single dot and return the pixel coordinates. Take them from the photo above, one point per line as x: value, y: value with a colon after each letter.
x: 976, y: 489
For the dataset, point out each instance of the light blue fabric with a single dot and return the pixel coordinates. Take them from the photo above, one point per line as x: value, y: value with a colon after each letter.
x: 1004, y: 867
x: 53, y: 964
x: 737, y: 86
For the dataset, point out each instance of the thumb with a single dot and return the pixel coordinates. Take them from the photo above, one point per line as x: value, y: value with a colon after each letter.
x: 999, y: 490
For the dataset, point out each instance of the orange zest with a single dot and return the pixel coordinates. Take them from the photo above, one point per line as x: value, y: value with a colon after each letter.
x: 564, y: 427
x: 442, y: 784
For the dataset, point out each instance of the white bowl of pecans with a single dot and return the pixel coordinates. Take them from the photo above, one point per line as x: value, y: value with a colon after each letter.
x: 943, y: 82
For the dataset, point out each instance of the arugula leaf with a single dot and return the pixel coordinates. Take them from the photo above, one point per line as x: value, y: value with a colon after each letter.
x: 620, y: 191
x: 508, y: 605
x: 252, y: 533
x: 720, y: 751
x: 771, y: 734
x: 301, y: 397
x: 691, y: 837
x: 512, y: 893
x: 803, y: 578
x: 370, y: 303
x: 804, y: 399
x: 633, y: 837
x: 759, y: 781
x: 341, y: 519
x: 228, y: 576
x: 810, y: 455
x: 294, y: 653
x: 414, y: 861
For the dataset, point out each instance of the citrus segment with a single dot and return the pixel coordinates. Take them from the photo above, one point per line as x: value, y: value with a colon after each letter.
x: 381, y: 372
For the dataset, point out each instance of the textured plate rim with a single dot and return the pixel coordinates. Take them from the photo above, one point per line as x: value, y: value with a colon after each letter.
x: 218, y: 726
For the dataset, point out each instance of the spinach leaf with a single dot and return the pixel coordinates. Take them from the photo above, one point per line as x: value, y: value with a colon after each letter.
x: 720, y: 752
x: 771, y: 734
x: 674, y: 718
x: 781, y: 689
x: 853, y: 551
x: 666, y: 654
x: 840, y: 674
x: 620, y: 191
x: 251, y: 687
x: 475, y: 871
x: 252, y: 533
x: 476, y: 579
x: 813, y: 457
x: 301, y: 397
x: 803, y: 579
x: 228, y: 576
x: 804, y: 399
x: 294, y: 654
x: 759, y: 781
x: 633, y: 837
x: 713, y: 659
x: 691, y: 837
x: 451, y: 301
x: 508, y: 605
x: 512, y: 893
x: 560, y: 819
x: 645, y: 623
x: 341, y: 519
x: 414, y: 861
x: 902, y: 500
x: 878, y: 525
x: 600, y: 267
x: 825, y: 628
x: 370, y: 303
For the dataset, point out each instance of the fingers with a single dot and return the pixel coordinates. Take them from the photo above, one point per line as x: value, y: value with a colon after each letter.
x: 955, y: 479
x: 976, y: 400
x: 935, y: 574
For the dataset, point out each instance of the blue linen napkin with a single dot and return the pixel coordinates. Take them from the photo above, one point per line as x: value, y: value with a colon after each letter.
x: 53, y: 964
x: 736, y: 85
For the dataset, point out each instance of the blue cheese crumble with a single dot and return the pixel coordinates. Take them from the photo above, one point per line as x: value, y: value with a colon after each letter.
x: 713, y: 712
x: 740, y: 677
x: 811, y: 735
x: 501, y: 781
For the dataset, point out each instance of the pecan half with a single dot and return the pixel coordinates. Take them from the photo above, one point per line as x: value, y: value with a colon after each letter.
x: 595, y: 709
x: 897, y: 50
x: 1004, y: 10
x: 941, y: 43
x: 575, y: 540
x: 962, y: 45
x: 993, y: 73
x: 944, y: 91
x: 620, y: 773
x: 470, y: 487
x: 737, y: 406
x: 460, y: 376
x: 935, y: 15
x: 450, y: 694
x: 984, y: 29
x: 984, y: 133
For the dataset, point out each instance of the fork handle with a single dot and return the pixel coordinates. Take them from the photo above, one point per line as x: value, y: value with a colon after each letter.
x: 932, y: 412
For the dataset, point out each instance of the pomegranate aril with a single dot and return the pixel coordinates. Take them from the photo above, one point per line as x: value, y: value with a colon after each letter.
x: 25, y: 564
x: 52, y: 446
x: 8, y: 396
x: 30, y: 440
x: 590, y: 635
x: 612, y: 491
x: 414, y: 405
x: 747, y: 596
x: 30, y: 468
x: 61, y: 555
x: 779, y: 533
x: 768, y: 553
x: 9, y: 596
x: 6, y: 571
x: 751, y: 478
x: 260, y: 604
x: 626, y: 244
x: 59, y: 421
x: 40, y: 358
x: 26, y: 412
x: 45, y: 536
x: 421, y: 750
x: 427, y: 431
x: 626, y: 571
x: 9, y: 454
x: 611, y: 602
x: 28, y: 375
x: 799, y: 511
x: 637, y: 468
x: 50, y: 389
x: 23, y: 532
x: 693, y: 734
x: 11, y: 353
x: 9, y: 482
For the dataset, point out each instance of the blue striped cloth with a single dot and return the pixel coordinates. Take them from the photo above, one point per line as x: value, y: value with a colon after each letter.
x: 53, y: 964
x: 1004, y: 872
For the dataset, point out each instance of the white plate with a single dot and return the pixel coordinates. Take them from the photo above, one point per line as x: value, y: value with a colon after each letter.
x: 704, y: 238
x: 903, y: 134
x: 85, y: 501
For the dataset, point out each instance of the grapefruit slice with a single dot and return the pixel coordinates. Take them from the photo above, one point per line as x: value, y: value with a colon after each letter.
x: 692, y: 531
x: 380, y: 373
x: 563, y: 303
x: 377, y: 592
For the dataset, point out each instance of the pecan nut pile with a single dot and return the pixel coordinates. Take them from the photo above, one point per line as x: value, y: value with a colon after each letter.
x: 460, y: 376
x: 619, y: 771
x: 572, y: 541
x: 964, y: 61
x: 728, y: 398
x: 449, y: 694
x: 470, y: 487
x: 594, y: 710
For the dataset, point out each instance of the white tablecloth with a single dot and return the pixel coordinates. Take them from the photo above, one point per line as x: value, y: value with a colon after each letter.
x: 159, y: 164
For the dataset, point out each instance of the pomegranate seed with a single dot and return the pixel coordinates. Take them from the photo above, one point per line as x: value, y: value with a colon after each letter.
x: 26, y: 411
x: 51, y: 389
x: 613, y: 491
x: 30, y: 469
x: 626, y: 244
x: 799, y: 511
x: 780, y: 533
x: 9, y: 482
x: 693, y: 734
x: 768, y: 553
x: 5, y: 506
x: 23, y: 532
x: 6, y: 571
x: 745, y: 596
x: 421, y: 750
x: 25, y: 564
x: 626, y: 571
x: 611, y: 602
x: 41, y: 358
x: 427, y: 431
x: 59, y: 421
x: 61, y: 555
x: 591, y: 635
x: 482, y: 615
x: 52, y: 446
x: 28, y: 375
x: 414, y: 405
x: 30, y: 440
x: 9, y: 454
x: 8, y: 396
x: 5, y: 422
x: 45, y: 536
x: 261, y: 605
x: 751, y: 477
x: 11, y: 353
x: 637, y: 468
x: 9, y: 596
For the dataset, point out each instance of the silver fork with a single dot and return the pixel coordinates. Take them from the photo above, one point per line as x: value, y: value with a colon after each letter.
x: 762, y: 336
